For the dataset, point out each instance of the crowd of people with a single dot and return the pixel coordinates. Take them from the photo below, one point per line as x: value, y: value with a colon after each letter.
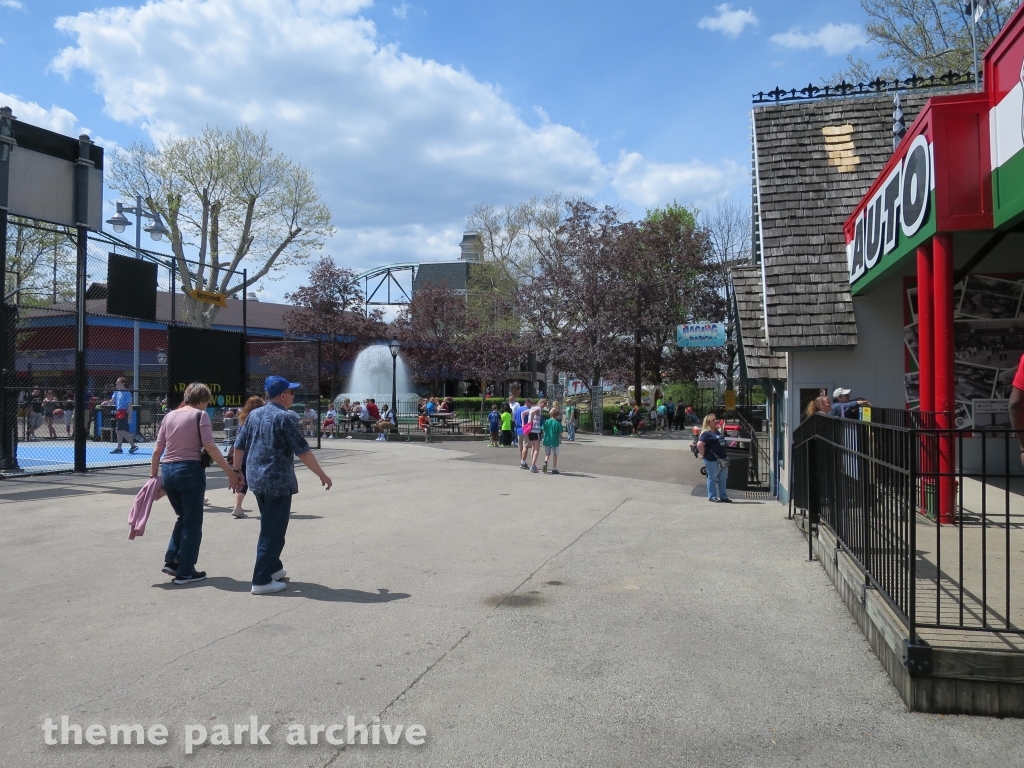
x: 661, y: 416
x: 532, y: 426
x: 365, y: 416
x: 841, y: 405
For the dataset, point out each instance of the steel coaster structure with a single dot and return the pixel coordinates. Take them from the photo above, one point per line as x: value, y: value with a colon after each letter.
x: 383, y: 279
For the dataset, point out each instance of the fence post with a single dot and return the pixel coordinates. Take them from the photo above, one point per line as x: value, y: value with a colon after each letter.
x: 319, y: 416
x: 8, y: 443
x: 910, y: 509
x: 813, y: 492
x: 82, y: 167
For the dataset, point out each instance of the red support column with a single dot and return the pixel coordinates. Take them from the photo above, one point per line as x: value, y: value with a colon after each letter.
x: 945, y: 374
x: 926, y: 369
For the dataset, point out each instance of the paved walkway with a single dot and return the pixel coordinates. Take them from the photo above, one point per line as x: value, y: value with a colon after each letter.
x: 589, y: 619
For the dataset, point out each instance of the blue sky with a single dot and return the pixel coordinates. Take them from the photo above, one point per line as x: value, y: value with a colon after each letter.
x: 409, y: 113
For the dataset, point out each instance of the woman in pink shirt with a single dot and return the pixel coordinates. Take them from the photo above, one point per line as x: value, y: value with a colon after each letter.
x: 184, y: 433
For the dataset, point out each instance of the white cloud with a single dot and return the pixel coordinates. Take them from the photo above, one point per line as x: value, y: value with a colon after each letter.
x: 12, y: 4
x: 55, y: 118
x: 402, y: 11
x: 649, y: 184
x: 729, y: 21
x: 834, y: 39
x: 401, y: 147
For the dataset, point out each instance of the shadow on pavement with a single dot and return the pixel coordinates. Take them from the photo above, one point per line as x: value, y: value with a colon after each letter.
x: 295, y: 589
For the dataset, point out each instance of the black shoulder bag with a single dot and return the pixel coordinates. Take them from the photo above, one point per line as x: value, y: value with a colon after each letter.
x: 204, y: 458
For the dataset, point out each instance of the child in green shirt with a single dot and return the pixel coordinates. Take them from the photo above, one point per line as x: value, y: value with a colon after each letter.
x: 506, y: 426
x: 552, y: 439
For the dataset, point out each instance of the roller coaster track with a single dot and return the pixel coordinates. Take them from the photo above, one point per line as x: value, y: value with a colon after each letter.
x: 377, y: 284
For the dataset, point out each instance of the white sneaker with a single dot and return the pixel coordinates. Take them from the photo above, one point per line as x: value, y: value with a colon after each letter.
x: 282, y: 574
x: 269, y: 589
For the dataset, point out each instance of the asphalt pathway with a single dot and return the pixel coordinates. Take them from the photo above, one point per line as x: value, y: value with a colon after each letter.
x: 589, y: 619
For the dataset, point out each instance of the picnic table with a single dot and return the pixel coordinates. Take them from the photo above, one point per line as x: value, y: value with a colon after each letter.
x: 445, y: 421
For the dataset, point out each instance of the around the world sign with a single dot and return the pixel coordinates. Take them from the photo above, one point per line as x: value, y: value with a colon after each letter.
x: 700, y: 335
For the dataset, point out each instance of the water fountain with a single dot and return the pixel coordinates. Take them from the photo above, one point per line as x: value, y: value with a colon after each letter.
x: 371, y: 377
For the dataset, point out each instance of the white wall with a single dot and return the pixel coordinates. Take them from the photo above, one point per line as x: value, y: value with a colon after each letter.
x: 873, y: 369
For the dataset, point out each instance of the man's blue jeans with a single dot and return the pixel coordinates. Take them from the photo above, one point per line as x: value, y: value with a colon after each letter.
x: 185, y: 484
x: 274, y: 515
x: 717, y: 476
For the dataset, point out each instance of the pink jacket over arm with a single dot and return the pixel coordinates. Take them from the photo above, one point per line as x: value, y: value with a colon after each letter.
x: 139, y: 516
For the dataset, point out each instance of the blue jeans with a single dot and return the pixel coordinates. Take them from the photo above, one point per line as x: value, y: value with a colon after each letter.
x: 717, y: 476
x: 185, y: 484
x: 572, y: 429
x: 274, y: 515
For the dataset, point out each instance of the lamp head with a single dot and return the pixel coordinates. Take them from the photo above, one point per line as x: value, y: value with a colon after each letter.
x: 119, y: 221
x: 394, y: 347
x: 157, y: 230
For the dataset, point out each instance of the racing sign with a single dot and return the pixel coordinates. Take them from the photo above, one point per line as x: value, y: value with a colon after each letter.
x: 700, y: 335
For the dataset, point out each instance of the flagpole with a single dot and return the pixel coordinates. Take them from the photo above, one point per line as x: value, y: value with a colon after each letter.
x: 974, y: 43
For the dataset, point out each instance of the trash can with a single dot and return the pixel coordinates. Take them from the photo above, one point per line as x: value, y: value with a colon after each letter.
x: 739, y: 471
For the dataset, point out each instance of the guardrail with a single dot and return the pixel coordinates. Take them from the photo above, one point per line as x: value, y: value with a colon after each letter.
x: 934, y: 517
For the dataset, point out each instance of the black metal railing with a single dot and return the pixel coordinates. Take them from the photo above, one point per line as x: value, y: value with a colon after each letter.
x: 933, y: 515
x: 811, y: 92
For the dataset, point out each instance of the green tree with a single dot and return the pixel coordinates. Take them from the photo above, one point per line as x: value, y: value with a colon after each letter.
x: 331, y: 307
x: 230, y: 201
x: 924, y: 37
x: 667, y: 266
x: 40, y: 264
x: 728, y: 226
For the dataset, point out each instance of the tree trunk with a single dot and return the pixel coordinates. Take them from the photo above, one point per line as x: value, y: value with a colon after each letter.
x: 198, y: 314
x: 637, y: 377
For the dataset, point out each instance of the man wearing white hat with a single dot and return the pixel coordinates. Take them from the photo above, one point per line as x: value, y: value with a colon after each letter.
x: 843, y: 407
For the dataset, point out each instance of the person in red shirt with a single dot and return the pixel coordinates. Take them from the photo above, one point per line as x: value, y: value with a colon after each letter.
x: 371, y: 406
x: 1016, y: 406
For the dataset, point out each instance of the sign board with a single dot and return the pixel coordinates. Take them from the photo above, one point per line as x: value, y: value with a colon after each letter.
x: 730, y: 400
x: 209, y: 297
x: 991, y: 413
x: 707, y: 383
x: 575, y: 387
x: 42, y: 177
x: 131, y: 287
x: 700, y: 335
x: 216, y: 358
x: 936, y: 181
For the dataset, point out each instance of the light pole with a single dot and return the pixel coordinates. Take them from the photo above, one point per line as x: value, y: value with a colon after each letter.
x: 394, y: 347
x: 156, y: 230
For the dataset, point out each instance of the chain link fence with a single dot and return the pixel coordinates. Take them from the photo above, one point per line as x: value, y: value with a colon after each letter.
x: 40, y: 385
x: 301, y: 362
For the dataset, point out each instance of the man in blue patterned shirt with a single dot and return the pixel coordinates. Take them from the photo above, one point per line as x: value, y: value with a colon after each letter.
x: 268, y: 442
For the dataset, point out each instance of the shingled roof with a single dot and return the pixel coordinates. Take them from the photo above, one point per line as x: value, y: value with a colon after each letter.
x: 814, y: 162
x: 756, y: 360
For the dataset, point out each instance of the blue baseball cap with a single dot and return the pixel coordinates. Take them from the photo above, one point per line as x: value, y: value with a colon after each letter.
x: 275, y: 385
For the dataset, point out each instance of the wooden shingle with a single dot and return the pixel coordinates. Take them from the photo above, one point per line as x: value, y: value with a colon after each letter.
x: 815, y: 161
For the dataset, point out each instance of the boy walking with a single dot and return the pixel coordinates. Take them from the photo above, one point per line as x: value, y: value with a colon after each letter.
x: 506, y: 427
x: 494, y: 421
x: 552, y: 440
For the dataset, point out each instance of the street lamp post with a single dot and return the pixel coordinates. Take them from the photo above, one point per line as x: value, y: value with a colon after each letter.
x: 394, y: 347
x: 157, y: 231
